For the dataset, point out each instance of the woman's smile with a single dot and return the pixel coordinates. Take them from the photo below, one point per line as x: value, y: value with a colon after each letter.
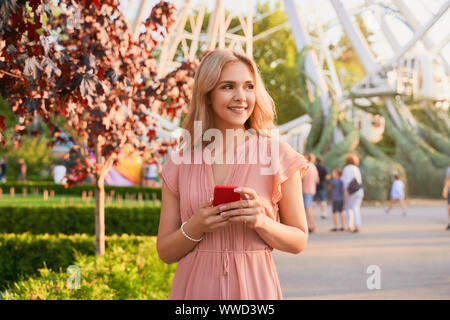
x: 238, y: 109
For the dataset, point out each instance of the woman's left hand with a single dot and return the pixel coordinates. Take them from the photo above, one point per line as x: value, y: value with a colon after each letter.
x: 249, y: 209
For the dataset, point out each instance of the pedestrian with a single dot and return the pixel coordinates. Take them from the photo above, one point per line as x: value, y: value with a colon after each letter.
x: 353, y: 191
x: 150, y: 173
x: 321, y: 188
x: 337, y: 196
x: 397, y: 194
x: 59, y: 173
x: 224, y: 251
x: 22, y: 171
x: 309, y: 183
x: 3, y: 168
x: 446, y: 194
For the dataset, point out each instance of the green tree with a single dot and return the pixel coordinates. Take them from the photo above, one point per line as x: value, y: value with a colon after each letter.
x: 276, y: 57
x: 33, y: 149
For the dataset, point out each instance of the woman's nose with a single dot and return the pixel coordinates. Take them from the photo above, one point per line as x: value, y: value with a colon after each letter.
x: 239, y: 94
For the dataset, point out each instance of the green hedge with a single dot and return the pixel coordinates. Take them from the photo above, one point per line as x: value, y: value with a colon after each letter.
x: 35, y: 267
x: 137, y: 220
x: 147, y: 192
x: 23, y: 254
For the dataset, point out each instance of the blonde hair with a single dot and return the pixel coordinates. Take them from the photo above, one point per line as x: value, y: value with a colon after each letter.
x: 206, y: 78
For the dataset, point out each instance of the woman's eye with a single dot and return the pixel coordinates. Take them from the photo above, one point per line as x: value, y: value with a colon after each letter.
x: 229, y: 86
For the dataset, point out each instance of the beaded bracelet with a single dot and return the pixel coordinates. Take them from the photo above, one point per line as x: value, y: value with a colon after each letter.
x: 186, y: 235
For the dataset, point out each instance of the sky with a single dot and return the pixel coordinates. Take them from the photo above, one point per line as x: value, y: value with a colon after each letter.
x: 322, y: 11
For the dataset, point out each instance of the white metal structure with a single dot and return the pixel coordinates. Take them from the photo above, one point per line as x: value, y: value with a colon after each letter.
x: 423, y: 74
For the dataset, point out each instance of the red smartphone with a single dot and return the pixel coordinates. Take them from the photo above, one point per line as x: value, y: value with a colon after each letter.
x: 225, y: 194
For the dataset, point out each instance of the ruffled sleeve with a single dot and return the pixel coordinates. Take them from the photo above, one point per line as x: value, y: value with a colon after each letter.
x: 289, y: 162
x: 169, y: 173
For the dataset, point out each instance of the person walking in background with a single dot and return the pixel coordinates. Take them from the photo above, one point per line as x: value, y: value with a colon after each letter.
x: 353, y: 191
x: 59, y: 173
x: 22, y: 171
x: 446, y: 194
x: 310, y: 181
x: 321, y: 188
x: 150, y: 173
x: 337, y: 196
x: 397, y: 194
x: 3, y: 168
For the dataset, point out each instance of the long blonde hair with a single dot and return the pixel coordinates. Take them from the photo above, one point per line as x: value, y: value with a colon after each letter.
x: 205, y: 80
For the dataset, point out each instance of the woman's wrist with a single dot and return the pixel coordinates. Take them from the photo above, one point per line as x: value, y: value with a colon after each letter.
x: 192, y: 230
x: 260, y: 223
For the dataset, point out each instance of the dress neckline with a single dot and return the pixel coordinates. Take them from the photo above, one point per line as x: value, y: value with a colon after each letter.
x: 231, y: 169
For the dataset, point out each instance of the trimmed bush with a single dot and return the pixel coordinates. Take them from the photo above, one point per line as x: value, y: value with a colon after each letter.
x: 137, y: 220
x: 130, y: 269
x: 23, y: 254
x: 60, y: 189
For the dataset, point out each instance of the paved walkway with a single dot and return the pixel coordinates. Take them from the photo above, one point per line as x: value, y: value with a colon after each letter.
x: 412, y: 253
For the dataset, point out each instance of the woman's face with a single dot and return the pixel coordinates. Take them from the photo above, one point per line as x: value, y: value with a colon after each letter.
x: 233, y: 98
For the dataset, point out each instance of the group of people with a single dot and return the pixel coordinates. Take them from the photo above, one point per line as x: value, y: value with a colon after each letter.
x: 21, y: 170
x: 347, y: 193
x: 346, y: 190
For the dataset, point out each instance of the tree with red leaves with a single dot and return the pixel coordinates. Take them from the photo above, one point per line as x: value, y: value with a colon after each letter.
x: 83, y: 64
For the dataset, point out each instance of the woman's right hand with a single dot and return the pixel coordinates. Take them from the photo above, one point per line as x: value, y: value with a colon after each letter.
x: 206, y: 219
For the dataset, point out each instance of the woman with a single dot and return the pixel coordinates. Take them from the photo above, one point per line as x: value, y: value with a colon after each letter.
x: 352, y: 201
x: 224, y: 251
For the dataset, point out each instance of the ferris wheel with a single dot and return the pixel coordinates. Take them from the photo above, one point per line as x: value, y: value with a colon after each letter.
x: 420, y: 73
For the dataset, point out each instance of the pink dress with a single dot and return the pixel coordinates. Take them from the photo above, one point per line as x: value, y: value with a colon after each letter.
x: 233, y: 262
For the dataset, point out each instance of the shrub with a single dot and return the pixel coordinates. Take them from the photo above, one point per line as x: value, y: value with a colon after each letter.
x: 137, y: 220
x: 147, y: 192
x: 130, y: 269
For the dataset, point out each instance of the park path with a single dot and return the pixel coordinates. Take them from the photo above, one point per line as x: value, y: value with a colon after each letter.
x: 412, y: 253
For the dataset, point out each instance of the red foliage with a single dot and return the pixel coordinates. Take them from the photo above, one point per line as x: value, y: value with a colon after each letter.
x: 97, y: 82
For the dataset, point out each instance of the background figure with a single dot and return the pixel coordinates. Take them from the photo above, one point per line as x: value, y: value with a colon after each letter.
x: 151, y: 174
x: 446, y: 194
x: 59, y: 173
x: 309, y: 182
x: 22, y: 171
x: 397, y: 194
x: 321, y: 188
x: 3, y: 168
x: 337, y: 195
x: 352, y: 202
